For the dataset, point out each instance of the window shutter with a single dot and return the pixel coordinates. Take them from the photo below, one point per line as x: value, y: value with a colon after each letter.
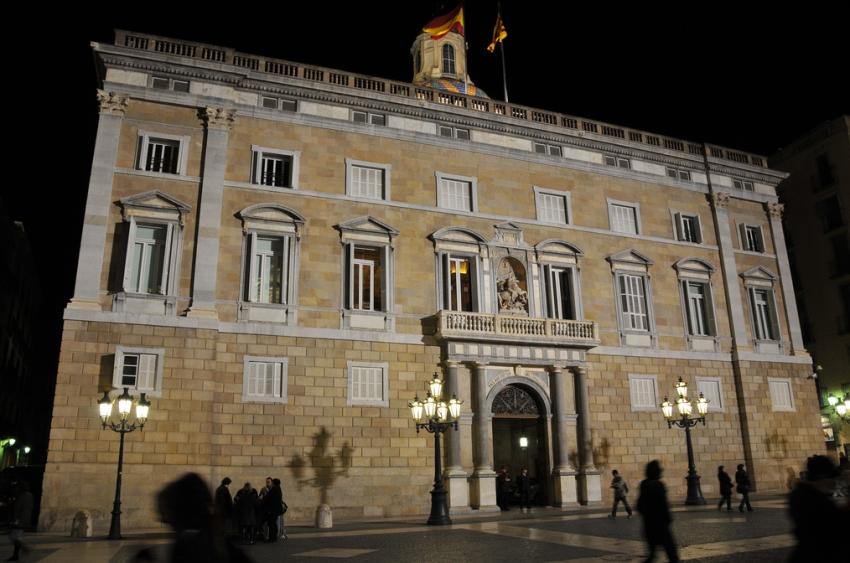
x: 258, y: 163
x: 166, y: 259
x: 385, y: 279
x: 680, y: 231
x: 742, y: 229
x: 277, y: 381
x: 349, y: 275
x: 446, y: 292
x: 548, y: 288
x: 698, y: 234
x: 284, y: 270
x: 473, y: 280
x: 709, y: 311
x: 143, y: 152
x: 774, y: 321
x: 128, y: 256
x: 146, y: 379
x: 252, y: 267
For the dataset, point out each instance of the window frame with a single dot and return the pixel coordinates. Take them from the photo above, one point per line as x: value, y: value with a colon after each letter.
x: 369, y: 117
x: 565, y: 197
x: 351, y: 164
x: 457, y: 133
x: 742, y: 184
x: 719, y: 381
x: 118, y: 364
x: 771, y: 382
x: 697, y: 271
x: 248, y: 397
x: 680, y: 174
x: 281, y: 104
x: 257, y: 154
x: 447, y: 54
x: 612, y: 203
x: 385, y: 384
x: 632, y: 263
x: 144, y: 141
x: 744, y: 241
x: 472, y: 181
x: 618, y: 161
x: 171, y: 83
x: 679, y: 230
x: 645, y: 407
x: 547, y: 149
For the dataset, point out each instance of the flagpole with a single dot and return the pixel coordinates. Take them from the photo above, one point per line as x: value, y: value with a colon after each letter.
x: 504, y: 76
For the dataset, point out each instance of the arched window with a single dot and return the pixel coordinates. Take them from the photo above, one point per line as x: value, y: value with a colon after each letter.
x: 448, y: 59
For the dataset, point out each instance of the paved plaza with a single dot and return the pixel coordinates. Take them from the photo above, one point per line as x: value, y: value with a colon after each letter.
x: 545, y: 535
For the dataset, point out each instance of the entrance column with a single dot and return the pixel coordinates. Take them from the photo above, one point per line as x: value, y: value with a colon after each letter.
x: 455, y: 476
x: 564, y: 474
x: 483, y: 483
x: 589, y: 480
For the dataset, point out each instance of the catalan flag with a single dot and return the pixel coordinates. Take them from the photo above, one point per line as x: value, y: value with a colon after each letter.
x: 499, y: 33
x: 440, y: 26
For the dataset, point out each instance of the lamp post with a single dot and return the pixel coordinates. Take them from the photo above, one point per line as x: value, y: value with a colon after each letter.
x: 840, y: 406
x: 438, y: 417
x: 125, y: 405
x: 686, y: 421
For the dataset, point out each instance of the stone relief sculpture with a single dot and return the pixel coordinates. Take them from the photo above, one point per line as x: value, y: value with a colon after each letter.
x: 512, y: 297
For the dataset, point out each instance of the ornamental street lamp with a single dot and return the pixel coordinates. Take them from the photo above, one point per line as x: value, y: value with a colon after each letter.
x: 841, y: 406
x: 686, y: 421
x: 439, y: 416
x: 125, y: 405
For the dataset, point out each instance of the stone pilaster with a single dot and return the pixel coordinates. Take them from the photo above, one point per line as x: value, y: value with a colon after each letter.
x: 731, y: 284
x: 563, y: 474
x: 217, y: 122
x: 93, y: 242
x: 589, y: 484
x: 483, y: 482
x: 455, y: 476
x: 774, y: 211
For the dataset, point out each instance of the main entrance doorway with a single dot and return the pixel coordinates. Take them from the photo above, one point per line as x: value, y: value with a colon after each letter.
x: 519, y: 439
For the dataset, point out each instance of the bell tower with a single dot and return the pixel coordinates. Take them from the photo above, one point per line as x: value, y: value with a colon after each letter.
x: 439, y: 58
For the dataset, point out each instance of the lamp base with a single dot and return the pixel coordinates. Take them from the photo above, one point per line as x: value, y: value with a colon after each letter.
x: 439, y: 510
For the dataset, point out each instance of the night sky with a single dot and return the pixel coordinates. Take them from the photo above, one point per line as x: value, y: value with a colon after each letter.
x: 745, y: 80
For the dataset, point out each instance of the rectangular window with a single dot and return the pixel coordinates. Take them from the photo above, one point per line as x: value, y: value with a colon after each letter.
x: 370, y: 118
x: 367, y: 278
x: 460, y: 288
x: 453, y: 132
x: 826, y: 177
x: 679, y: 174
x: 623, y: 218
x: 368, y: 384
x: 781, y: 395
x: 763, y: 314
x: 264, y: 380
x: 162, y: 156
x: 829, y: 213
x: 751, y: 238
x: 643, y: 393
x: 148, y: 267
x: 283, y: 104
x: 274, y: 170
x: 617, y: 161
x: 267, y: 268
x: 710, y: 389
x: 455, y: 194
x: 367, y: 182
x: 552, y: 150
x: 688, y: 228
x: 559, y: 292
x: 552, y: 207
x: 164, y: 83
x: 744, y: 185
x: 633, y: 302
x: 139, y: 369
x: 698, y: 307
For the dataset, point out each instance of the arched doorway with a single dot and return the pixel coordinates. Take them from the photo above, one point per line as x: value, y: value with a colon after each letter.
x: 519, y: 438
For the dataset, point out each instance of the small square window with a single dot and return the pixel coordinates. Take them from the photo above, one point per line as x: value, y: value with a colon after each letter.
x: 162, y: 153
x: 370, y: 118
x: 462, y: 134
x: 781, y: 394
x: 181, y: 86
x: 365, y: 179
x: 643, y: 392
x: 160, y: 83
x: 368, y: 384
x: 165, y: 83
x: 623, y: 217
x: 623, y: 163
x: 552, y: 206
x: 456, y: 193
x: 275, y: 167
x: 687, y: 227
x: 751, y: 238
x: 138, y: 369
x: 270, y: 103
x: 264, y: 380
x: 454, y: 132
x: 744, y: 185
x: 610, y: 161
x: 711, y: 390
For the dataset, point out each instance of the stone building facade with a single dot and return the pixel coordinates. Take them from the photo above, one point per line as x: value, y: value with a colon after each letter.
x: 282, y: 255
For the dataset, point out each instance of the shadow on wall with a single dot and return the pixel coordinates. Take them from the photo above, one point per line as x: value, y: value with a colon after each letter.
x: 326, y: 466
x: 601, y: 453
x: 777, y: 446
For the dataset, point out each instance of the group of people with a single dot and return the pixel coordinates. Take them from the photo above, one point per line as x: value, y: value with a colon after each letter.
x: 254, y: 514
x: 505, y: 489
x: 818, y: 506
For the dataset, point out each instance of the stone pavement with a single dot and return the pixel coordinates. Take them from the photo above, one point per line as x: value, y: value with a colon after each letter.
x: 545, y: 535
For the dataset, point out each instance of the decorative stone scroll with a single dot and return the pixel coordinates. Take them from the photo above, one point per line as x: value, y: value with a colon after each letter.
x: 112, y: 103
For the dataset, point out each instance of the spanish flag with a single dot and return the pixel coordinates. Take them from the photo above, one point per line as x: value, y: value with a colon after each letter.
x: 440, y: 26
x: 499, y: 33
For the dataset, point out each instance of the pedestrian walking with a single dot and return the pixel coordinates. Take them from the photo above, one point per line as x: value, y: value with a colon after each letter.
x: 224, y: 505
x: 743, y: 487
x: 245, y: 508
x: 503, y: 488
x: 523, y: 485
x: 655, y: 510
x: 187, y: 506
x: 21, y: 519
x: 725, y: 489
x: 819, y: 521
x: 621, y: 489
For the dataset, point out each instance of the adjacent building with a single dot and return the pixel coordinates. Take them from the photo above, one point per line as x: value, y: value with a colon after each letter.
x: 817, y: 191
x: 281, y: 256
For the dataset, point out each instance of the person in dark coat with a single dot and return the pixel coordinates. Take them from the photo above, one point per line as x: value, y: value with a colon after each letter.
x: 187, y: 506
x: 21, y: 519
x: 523, y: 485
x: 621, y: 489
x: 655, y: 510
x: 272, y: 508
x: 725, y: 489
x: 503, y: 488
x: 245, y: 508
x: 742, y: 486
x: 224, y: 504
x: 819, y: 522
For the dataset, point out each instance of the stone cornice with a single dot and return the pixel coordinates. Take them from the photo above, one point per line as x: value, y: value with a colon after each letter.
x: 112, y: 103
x: 415, y: 109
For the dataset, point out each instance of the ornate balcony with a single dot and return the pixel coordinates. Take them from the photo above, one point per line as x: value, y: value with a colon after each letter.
x: 484, y: 327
